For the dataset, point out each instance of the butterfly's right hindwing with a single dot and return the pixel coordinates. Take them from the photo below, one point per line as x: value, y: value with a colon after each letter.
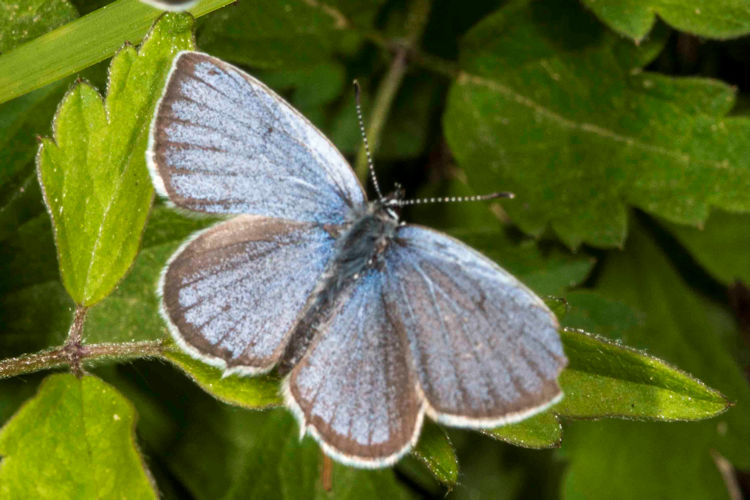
x: 222, y: 142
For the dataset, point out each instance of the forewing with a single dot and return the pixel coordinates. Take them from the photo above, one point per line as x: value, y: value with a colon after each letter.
x: 354, y: 389
x: 234, y: 292
x: 485, y: 348
x: 222, y: 142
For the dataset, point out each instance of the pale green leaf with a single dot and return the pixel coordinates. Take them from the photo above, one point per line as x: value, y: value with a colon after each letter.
x: 706, y: 18
x: 606, y: 379
x: 553, y: 107
x: 93, y: 172
x: 540, y: 431
x: 22, y: 20
x: 75, y: 439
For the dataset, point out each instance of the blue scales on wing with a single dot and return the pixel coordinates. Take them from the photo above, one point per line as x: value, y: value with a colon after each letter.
x: 354, y: 388
x: 222, y: 142
x: 485, y: 349
x: 233, y: 294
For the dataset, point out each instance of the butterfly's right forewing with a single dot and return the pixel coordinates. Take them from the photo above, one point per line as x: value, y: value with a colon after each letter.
x: 222, y: 142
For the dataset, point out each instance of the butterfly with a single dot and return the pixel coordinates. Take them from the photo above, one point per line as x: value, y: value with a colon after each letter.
x: 171, y: 5
x: 373, y: 323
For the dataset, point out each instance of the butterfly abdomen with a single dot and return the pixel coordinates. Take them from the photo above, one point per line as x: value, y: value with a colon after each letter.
x: 359, y: 248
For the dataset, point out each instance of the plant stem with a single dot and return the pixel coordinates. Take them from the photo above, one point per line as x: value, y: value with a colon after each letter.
x: 72, y: 347
x: 59, y: 356
x: 416, y: 20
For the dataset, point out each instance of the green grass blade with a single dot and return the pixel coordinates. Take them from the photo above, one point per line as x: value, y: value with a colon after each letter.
x: 79, y: 44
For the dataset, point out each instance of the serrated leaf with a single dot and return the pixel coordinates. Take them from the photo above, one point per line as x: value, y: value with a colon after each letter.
x: 436, y: 452
x: 540, y: 431
x: 257, y: 392
x: 22, y: 20
x: 553, y: 107
x: 93, y: 173
x: 706, y: 18
x: 605, y: 379
x: 75, y: 439
x: 684, y: 328
x: 296, y: 33
x: 721, y: 246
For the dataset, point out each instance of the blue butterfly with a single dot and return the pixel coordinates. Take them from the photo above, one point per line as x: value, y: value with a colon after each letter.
x: 374, y: 323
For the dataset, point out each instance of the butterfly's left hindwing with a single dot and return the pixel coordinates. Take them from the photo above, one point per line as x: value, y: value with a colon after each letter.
x: 485, y: 349
x: 222, y: 142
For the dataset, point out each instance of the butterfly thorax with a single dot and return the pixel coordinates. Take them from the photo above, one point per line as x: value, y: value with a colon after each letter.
x: 360, y: 247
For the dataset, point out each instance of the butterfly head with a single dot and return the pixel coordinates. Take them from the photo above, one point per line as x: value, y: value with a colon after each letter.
x: 391, y: 203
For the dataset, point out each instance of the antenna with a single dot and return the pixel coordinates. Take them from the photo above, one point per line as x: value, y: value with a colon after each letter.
x: 364, y: 138
x: 452, y: 199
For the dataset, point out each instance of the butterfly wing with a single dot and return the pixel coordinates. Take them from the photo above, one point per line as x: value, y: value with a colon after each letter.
x: 354, y: 389
x: 222, y: 142
x: 233, y: 293
x: 485, y: 349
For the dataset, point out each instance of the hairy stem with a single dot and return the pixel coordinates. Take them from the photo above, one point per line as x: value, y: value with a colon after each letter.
x: 416, y: 20
x: 61, y: 355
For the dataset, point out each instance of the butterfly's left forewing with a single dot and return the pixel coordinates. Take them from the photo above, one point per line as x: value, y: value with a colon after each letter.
x: 485, y: 349
x: 222, y: 142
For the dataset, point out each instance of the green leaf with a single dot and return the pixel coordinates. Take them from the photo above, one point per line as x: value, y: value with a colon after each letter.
x: 705, y: 18
x: 93, y: 173
x: 35, y: 311
x: 257, y: 392
x: 22, y: 20
x: 686, y: 329
x: 25, y: 117
x: 592, y: 312
x: 436, y: 452
x: 637, y: 460
x: 721, y: 246
x: 554, y: 108
x: 131, y: 312
x: 74, y: 439
x: 80, y: 44
x: 606, y: 379
x: 540, y: 431
x: 243, y: 454
x: 292, y: 34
